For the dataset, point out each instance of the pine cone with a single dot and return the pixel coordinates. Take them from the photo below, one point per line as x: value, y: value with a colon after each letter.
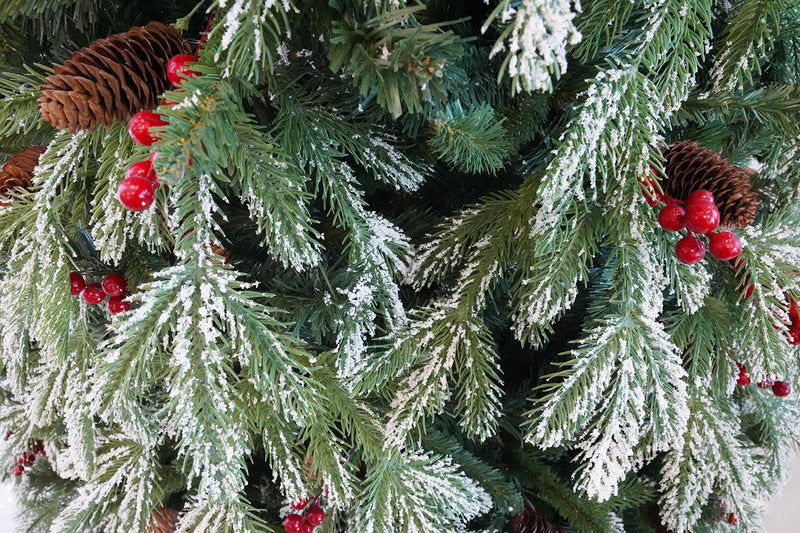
x: 690, y: 167
x: 18, y: 171
x: 530, y: 521
x: 112, y: 78
x: 163, y: 520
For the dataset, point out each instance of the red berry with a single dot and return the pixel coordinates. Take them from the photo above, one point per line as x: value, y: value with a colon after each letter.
x: 178, y: 68
x: 724, y: 245
x: 76, y: 283
x: 701, y: 217
x: 315, y: 515
x: 293, y: 523
x: 690, y: 250
x: 299, y: 504
x: 93, y: 293
x: 781, y: 389
x: 114, y: 284
x: 700, y: 195
x: 732, y: 519
x: 28, y: 459
x: 744, y: 379
x: 144, y: 170
x: 651, y: 195
x: 766, y: 383
x: 139, y: 127
x: 306, y: 527
x: 135, y: 194
x: 18, y: 470
x: 118, y: 304
x: 671, y: 217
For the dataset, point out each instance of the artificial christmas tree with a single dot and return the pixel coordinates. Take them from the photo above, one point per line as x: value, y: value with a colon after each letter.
x: 382, y: 266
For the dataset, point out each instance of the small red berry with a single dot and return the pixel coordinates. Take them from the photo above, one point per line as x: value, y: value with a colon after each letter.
x: 732, y: 519
x: 671, y: 217
x: 178, y: 68
x: 94, y: 293
x: 28, y: 459
x: 781, y: 389
x: 135, y: 194
x: 651, y: 194
x: 306, y: 527
x: 76, y: 283
x: 724, y: 245
x: 299, y: 504
x: 118, y: 304
x: 700, y: 195
x: 293, y: 523
x: 766, y: 383
x: 701, y: 217
x: 744, y: 378
x: 315, y: 515
x: 114, y: 284
x: 690, y: 250
x: 18, y: 470
x: 139, y: 127
x: 143, y: 169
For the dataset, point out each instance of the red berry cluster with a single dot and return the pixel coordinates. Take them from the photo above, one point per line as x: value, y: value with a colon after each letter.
x: 113, y: 285
x: 779, y: 388
x: 137, y: 191
x: 732, y: 519
x: 312, y: 516
x: 700, y: 217
x: 28, y: 457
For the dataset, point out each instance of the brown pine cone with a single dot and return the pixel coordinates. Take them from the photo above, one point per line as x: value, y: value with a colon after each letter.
x: 163, y: 520
x: 18, y: 171
x: 690, y: 167
x: 530, y: 521
x: 112, y: 78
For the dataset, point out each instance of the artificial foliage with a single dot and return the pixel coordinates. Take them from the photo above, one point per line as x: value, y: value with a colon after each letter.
x: 374, y: 266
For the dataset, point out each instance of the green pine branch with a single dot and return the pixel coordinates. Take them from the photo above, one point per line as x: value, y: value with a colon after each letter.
x: 472, y: 140
x: 396, y: 59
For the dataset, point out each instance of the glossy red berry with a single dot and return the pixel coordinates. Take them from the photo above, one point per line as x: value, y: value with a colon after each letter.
x: 671, y: 217
x: 135, y: 194
x: 178, y: 68
x: 144, y: 170
x: 93, y: 293
x: 139, y: 127
x: 118, y: 304
x: 700, y: 195
x: 293, y: 523
x: 732, y: 519
x: 306, y: 527
x: 690, y: 250
x: 724, y: 245
x: 651, y: 194
x: 701, y: 217
x: 765, y: 383
x: 781, y: 389
x: 744, y: 378
x: 76, y: 283
x: 114, y: 284
x: 299, y: 504
x: 18, y: 470
x: 315, y: 515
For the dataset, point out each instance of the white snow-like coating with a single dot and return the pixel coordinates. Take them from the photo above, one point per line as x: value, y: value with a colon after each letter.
x: 537, y: 43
